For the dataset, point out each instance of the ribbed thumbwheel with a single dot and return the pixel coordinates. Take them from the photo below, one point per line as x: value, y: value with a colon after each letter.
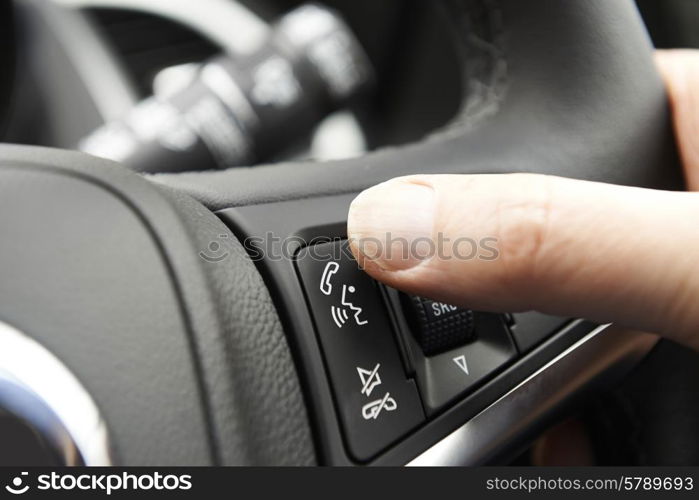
x: 439, y: 327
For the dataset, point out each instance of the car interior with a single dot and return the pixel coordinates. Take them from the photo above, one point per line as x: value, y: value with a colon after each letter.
x: 176, y: 286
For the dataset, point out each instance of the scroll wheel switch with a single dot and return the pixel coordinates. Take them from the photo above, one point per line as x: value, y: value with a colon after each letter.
x: 438, y: 327
x: 452, y: 349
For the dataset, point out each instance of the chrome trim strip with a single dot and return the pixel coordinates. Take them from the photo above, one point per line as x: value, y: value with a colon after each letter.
x: 37, y: 387
x: 515, y: 415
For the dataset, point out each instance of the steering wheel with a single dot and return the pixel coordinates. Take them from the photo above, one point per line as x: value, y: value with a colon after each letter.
x: 140, y: 322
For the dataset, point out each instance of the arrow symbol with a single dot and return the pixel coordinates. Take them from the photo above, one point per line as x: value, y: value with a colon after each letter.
x: 461, y: 363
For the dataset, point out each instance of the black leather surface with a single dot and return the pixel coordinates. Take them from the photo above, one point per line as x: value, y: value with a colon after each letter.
x: 256, y: 397
x: 565, y: 88
x: 186, y: 359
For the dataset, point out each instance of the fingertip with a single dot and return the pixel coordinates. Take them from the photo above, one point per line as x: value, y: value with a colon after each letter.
x: 387, y: 222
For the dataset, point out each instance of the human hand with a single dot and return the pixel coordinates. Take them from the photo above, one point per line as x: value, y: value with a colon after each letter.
x: 564, y: 247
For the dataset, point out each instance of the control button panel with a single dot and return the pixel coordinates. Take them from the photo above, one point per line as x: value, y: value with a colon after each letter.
x: 377, y: 403
x: 479, y: 344
x: 444, y: 377
x: 530, y: 328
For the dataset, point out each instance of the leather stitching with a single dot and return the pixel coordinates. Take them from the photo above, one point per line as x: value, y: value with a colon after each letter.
x: 480, y: 33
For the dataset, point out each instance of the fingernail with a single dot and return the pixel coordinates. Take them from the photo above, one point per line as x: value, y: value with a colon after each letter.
x: 391, y: 224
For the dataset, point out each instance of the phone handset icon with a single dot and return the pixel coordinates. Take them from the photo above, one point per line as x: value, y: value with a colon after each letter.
x: 325, y: 286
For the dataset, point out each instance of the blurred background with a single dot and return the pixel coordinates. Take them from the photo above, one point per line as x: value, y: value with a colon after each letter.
x: 70, y: 67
